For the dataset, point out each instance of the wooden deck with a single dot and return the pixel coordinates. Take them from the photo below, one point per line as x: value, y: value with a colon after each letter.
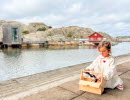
x: 34, y: 42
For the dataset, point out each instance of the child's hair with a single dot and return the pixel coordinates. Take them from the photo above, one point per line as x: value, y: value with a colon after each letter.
x: 106, y: 44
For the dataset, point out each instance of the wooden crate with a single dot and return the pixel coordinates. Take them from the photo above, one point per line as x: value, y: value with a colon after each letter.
x: 87, y: 84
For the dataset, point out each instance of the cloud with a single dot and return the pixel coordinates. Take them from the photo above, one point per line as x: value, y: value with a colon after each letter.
x: 111, y: 16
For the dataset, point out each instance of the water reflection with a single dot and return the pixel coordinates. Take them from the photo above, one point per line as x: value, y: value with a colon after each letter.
x: 11, y: 52
x: 26, y: 61
x: 88, y: 47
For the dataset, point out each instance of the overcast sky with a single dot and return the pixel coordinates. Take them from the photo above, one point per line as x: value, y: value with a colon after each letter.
x: 110, y: 16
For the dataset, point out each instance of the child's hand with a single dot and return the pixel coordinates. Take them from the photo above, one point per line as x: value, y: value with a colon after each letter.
x: 99, y: 79
x: 87, y: 69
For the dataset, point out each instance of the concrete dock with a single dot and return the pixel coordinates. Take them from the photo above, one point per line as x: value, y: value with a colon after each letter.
x: 62, y: 84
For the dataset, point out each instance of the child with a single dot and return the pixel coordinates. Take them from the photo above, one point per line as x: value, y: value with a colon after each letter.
x: 105, y: 64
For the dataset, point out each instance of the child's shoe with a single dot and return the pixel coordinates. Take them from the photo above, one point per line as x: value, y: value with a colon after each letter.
x: 120, y: 87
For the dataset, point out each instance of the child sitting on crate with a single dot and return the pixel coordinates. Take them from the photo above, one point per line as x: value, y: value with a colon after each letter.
x: 105, y: 64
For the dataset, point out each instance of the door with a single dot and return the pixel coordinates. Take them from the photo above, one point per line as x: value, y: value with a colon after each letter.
x: 15, y: 34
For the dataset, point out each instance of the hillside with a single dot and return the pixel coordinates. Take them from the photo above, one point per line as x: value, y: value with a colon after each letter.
x: 64, y: 34
x: 52, y: 34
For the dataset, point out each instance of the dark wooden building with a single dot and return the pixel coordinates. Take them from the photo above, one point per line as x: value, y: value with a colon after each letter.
x: 12, y: 35
x: 95, y: 38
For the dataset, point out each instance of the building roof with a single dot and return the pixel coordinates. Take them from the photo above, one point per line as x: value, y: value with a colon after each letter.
x: 95, y: 34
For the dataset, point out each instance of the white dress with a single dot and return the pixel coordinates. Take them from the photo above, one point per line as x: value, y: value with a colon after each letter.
x: 106, y: 66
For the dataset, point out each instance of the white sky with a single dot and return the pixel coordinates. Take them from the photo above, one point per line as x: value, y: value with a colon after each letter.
x: 110, y: 16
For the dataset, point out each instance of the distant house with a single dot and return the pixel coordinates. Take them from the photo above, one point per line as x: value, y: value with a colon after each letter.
x: 12, y: 35
x: 95, y: 38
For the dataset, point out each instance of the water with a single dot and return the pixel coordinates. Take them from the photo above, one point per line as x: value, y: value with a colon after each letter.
x: 22, y: 62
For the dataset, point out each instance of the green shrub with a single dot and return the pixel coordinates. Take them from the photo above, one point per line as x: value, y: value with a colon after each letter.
x: 41, y: 29
x: 25, y: 32
x: 60, y: 39
x: 70, y: 35
x: 50, y: 34
x: 50, y: 26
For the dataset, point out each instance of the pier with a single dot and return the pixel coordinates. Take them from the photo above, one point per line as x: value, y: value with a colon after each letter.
x: 40, y: 43
x: 25, y: 43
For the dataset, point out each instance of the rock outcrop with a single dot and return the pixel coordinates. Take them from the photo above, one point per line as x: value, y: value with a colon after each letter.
x: 70, y: 33
x: 33, y: 27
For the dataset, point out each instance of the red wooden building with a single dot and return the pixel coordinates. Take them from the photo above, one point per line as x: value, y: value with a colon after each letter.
x: 95, y: 38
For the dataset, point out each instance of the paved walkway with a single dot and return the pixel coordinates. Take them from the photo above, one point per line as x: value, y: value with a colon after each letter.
x: 62, y: 84
x: 70, y: 90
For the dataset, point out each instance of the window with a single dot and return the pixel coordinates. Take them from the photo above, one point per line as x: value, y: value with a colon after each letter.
x: 99, y: 39
x: 15, y: 34
x: 95, y: 34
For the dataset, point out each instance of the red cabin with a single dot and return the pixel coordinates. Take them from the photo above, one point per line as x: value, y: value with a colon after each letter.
x: 95, y: 38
